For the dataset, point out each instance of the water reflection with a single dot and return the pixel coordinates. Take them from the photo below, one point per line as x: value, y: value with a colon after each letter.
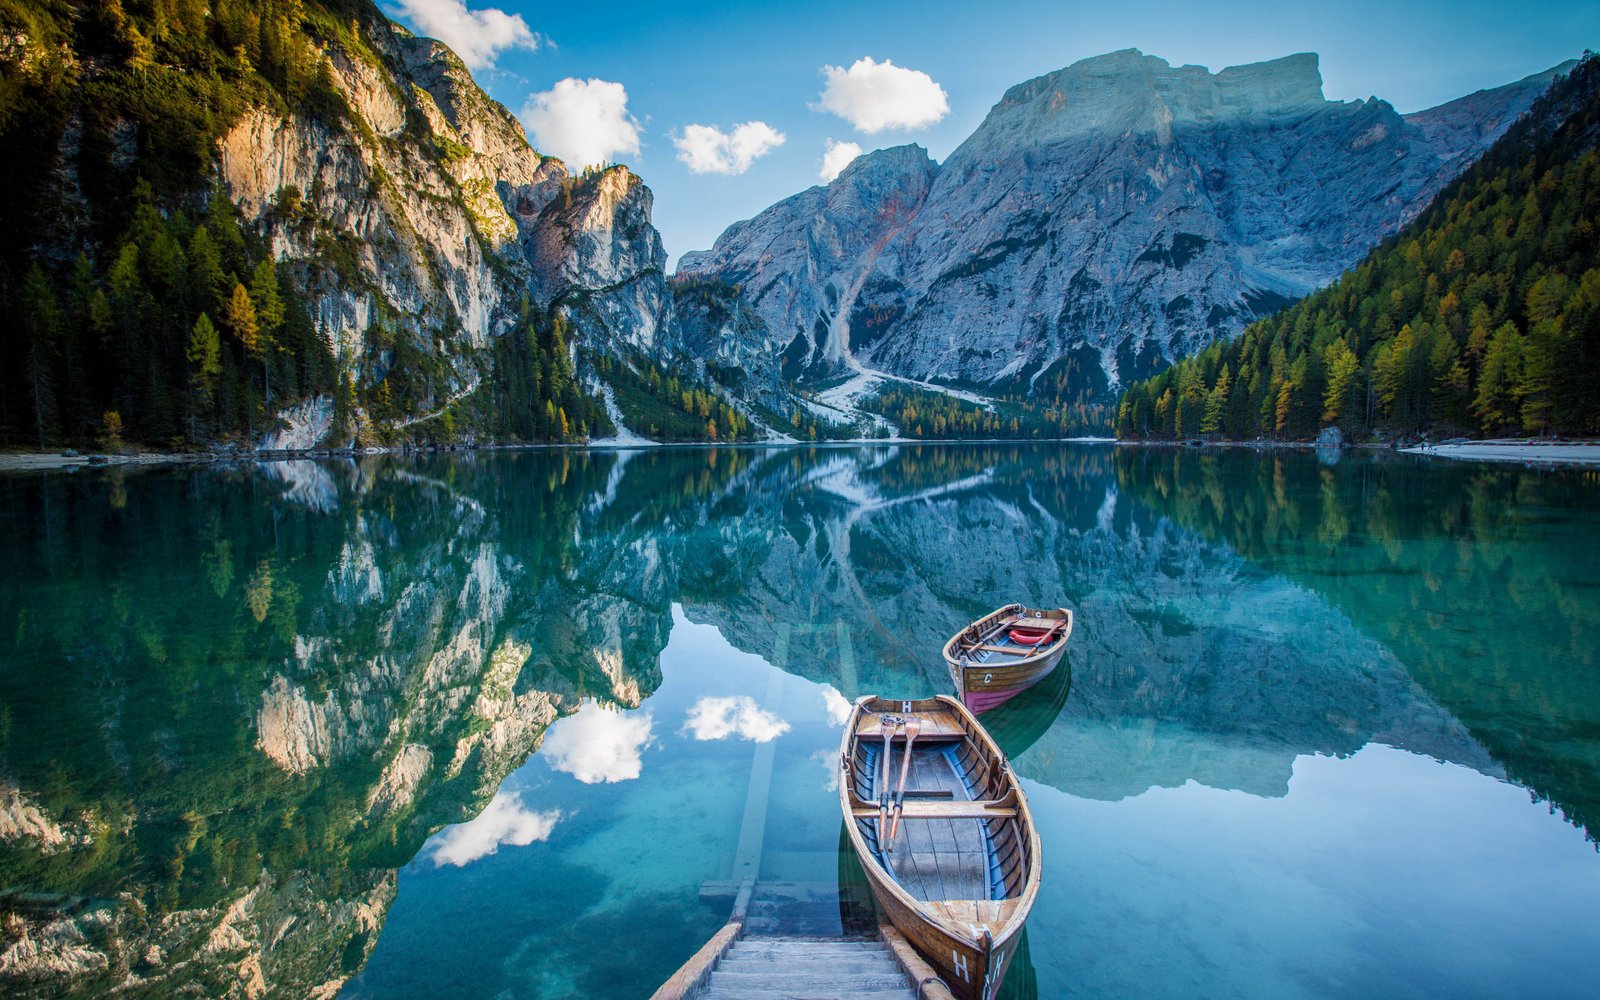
x: 599, y: 745
x: 233, y: 702
x: 1480, y: 579
x: 714, y: 718
x: 505, y: 820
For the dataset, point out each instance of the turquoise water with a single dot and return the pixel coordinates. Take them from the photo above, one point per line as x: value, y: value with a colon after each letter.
x: 489, y: 726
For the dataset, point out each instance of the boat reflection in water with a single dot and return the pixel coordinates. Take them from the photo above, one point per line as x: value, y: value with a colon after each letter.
x: 1018, y: 724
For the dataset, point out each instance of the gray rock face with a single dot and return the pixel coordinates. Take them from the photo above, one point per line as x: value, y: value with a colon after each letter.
x: 428, y: 215
x: 720, y: 329
x: 1111, y: 216
x: 803, y: 263
x: 595, y: 252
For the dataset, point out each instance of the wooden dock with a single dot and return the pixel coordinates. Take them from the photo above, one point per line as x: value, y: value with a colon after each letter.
x: 731, y: 967
x: 770, y: 948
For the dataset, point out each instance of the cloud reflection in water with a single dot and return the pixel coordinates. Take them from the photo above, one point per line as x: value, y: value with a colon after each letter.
x: 504, y: 821
x: 598, y: 744
x: 838, y: 707
x: 716, y: 718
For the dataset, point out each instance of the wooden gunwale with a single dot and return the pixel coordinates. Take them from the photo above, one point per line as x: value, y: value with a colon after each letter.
x: 951, y: 927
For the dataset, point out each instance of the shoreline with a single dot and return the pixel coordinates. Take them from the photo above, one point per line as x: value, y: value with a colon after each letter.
x: 1575, y: 454
x: 40, y: 461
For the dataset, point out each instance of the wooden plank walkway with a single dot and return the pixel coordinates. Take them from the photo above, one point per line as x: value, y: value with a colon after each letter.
x: 740, y: 962
x: 807, y: 969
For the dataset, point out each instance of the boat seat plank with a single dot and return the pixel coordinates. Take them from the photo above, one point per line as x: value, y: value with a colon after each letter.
x: 1001, y: 628
x: 958, y: 809
x: 935, y: 726
x: 1014, y: 650
x: 992, y: 912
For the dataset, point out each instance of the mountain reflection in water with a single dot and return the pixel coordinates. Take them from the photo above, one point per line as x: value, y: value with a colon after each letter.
x: 236, y: 702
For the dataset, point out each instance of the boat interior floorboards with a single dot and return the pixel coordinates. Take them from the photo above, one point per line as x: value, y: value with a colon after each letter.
x: 944, y: 858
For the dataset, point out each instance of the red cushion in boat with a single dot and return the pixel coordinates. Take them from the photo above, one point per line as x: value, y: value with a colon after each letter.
x: 1028, y: 637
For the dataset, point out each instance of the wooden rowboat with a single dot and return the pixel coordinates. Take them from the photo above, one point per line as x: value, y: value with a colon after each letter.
x: 943, y: 833
x: 1005, y: 652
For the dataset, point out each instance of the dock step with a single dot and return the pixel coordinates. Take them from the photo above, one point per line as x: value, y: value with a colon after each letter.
x: 800, y: 968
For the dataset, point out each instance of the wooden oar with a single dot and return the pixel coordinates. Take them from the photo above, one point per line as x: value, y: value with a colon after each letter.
x: 886, y: 725
x: 913, y: 727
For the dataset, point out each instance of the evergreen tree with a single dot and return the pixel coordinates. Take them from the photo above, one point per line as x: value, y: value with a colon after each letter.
x: 205, y: 362
x: 269, y: 311
x: 1217, y: 403
x: 1344, y: 372
x: 1483, y: 313
x: 206, y: 278
x: 41, y: 327
x: 1495, y: 403
x: 241, y: 319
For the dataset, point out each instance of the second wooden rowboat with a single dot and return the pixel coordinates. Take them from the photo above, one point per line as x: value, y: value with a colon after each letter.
x: 944, y: 835
x: 1005, y: 652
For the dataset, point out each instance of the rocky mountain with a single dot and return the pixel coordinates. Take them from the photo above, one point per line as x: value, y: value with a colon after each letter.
x: 1478, y: 317
x: 1103, y: 221
x: 403, y: 221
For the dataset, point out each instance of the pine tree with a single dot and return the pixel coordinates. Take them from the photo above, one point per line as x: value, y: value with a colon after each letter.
x: 1344, y: 371
x: 205, y: 362
x: 269, y: 310
x: 207, y: 282
x: 240, y: 315
x: 41, y: 326
x: 1495, y: 403
x: 1217, y: 403
x: 1537, y: 381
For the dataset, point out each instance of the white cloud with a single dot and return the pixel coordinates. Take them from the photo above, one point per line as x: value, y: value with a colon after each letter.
x: 838, y: 708
x: 706, y: 149
x: 829, y: 760
x: 598, y: 745
x: 477, y: 36
x: 718, y: 718
x: 874, y: 96
x: 836, y: 156
x: 505, y: 821
x: 582, y: 122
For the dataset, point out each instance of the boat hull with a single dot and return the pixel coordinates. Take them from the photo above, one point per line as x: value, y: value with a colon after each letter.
x: 970, y: 971
x: 984, y: 687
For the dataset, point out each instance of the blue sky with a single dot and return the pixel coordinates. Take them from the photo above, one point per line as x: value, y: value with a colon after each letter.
x: 722, y: 65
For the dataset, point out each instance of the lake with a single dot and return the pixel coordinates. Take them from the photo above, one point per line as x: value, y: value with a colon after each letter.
x: 488, y: 725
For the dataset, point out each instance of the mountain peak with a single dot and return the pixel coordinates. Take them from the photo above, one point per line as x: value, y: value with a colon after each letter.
x: 1286, y: 86
x: 891, y: 160
x: 1278, y: 85
x: 1103, y: 220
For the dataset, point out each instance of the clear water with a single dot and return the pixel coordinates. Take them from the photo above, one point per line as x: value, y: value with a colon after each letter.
x: 488, y: 726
